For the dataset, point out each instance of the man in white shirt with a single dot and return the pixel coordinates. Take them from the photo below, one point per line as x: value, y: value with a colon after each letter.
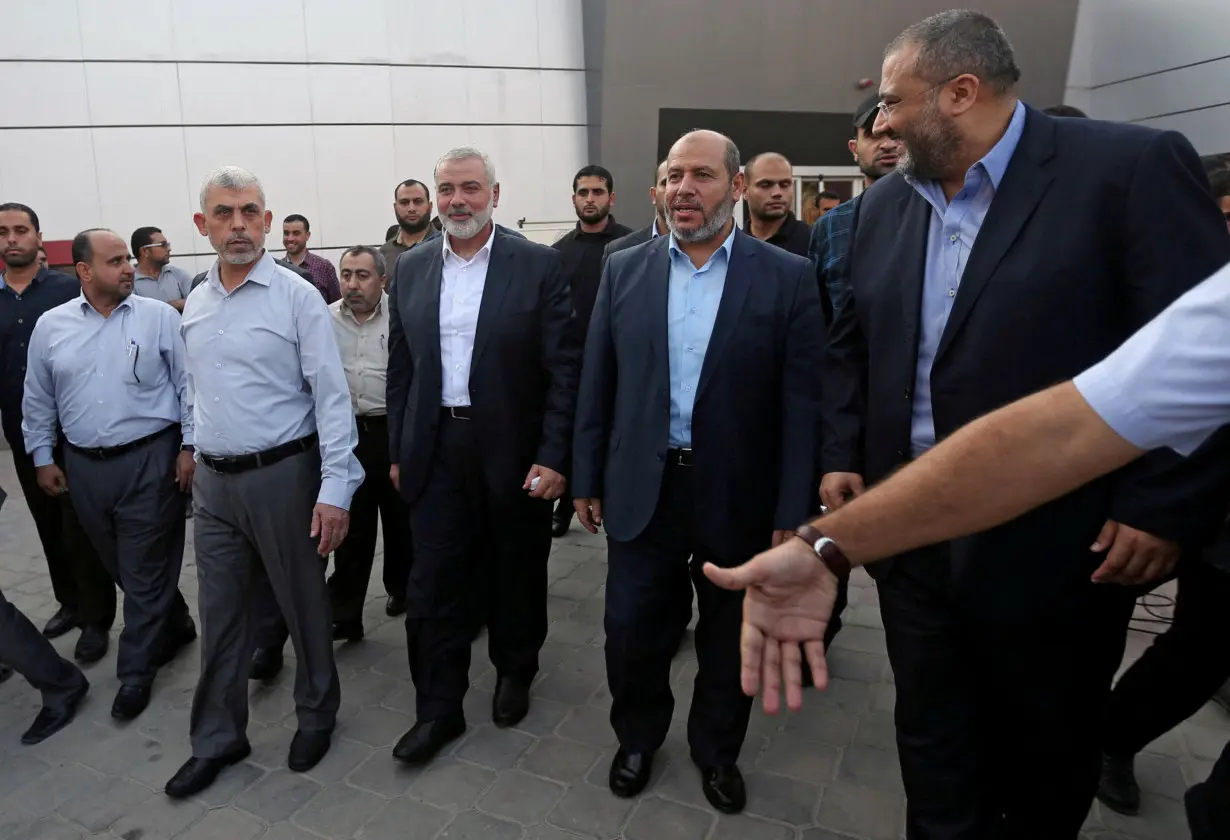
x: 156, y: 277
x: 361, y: 323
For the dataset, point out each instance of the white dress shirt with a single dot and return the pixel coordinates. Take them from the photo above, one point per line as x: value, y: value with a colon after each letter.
x: 1169, y: 384
x: 365, y: 354
x: 461, y: 292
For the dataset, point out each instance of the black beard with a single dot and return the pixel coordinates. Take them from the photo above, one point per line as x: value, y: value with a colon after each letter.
x: 414, y: 227
x: 596, y: 216
x: 771, y: 216
x: 23, y: 260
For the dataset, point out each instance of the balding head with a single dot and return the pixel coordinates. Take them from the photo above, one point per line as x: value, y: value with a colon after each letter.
x: 102, y: 262
x: 709, y: 143
x: 770, y: 187
x: 778, y: 160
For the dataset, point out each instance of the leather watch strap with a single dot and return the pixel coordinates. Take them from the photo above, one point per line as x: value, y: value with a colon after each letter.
x: 825, y: 549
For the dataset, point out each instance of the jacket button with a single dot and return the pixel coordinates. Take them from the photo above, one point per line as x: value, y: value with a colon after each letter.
x: 908, y: 393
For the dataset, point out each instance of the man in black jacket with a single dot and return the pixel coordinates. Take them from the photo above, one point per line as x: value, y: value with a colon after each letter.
x: 656, y: 228
x: 482, y: 379
x: 582, y: 250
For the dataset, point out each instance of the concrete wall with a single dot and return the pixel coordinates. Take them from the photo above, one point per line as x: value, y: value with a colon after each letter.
x: 1163, y: 63
x: 777, y: 55
x: 116, y: 109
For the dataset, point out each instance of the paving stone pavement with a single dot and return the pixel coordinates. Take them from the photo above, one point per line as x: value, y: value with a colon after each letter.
x: 827, y: 773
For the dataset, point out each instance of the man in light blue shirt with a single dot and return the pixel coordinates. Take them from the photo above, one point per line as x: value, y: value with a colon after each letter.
x: 275, y: 441
x: 108, y: 369
x: 156, y: 278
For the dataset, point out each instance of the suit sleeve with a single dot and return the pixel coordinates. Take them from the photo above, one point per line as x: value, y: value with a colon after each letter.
x: 843, y: 381
x: 400, y: 368
x: 561, y: 361
x: 596, y: 402
x: 800, y: 399
x: 1173, y: 238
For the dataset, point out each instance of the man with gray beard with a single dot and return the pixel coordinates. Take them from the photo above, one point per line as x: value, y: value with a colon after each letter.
x: 275, y: 439
x: 695, y: 442
x: 481, y: 389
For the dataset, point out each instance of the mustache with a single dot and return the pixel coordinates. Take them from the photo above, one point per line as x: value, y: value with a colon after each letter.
x: 237, y: 238
x: 685, y: 205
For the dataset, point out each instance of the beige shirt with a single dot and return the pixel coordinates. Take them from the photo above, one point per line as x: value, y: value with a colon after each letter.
x: 365, y: 354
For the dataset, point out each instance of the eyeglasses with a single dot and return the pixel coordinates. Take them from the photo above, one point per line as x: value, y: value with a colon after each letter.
x: 166, y: 245
x: 887, y: 108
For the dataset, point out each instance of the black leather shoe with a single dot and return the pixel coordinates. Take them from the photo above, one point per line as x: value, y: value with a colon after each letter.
x: 63, y: 621
x: 49, y: 721
x: 5, y: 672
x: 266, y: 664
x: 426, y: 738
x: 348, y: 631
x: 1117, y: 788
x: 630, y: 773
x: 130, y: 701
x: 178, y: 637
x: 511, y: 702
x: 560, y: 524
x: 93, y: 644
x: 308, y: 748
x: 199, y: 773
x: 395, y: 606
x: 724, y: 788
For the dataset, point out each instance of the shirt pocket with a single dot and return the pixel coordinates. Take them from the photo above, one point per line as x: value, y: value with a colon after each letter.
x: 142, y: 365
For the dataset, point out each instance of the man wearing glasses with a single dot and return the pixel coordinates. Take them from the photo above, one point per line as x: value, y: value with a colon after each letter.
x: 156, y: 277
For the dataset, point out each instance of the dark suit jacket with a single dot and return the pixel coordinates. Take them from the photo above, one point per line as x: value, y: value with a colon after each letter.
x: 523, y: 372
x: 635, y: 238
x: 757, y: 404
x: 1096, y: 227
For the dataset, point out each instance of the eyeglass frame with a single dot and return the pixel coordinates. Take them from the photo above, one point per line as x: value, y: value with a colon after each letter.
x: 166, y: 245
x: 886, y: 109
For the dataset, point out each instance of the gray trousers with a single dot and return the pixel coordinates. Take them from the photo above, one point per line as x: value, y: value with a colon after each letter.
x: 133, y: 513
x: 23, y: 648
x: 247, y: 526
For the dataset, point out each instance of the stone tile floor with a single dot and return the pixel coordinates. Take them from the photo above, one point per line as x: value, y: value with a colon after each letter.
x: 827, y: 773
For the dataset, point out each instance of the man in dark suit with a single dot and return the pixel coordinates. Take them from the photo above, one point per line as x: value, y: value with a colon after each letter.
x: 656, y: 228
x: 695, y: 441
x: 1009, y: 251
x: 482, y: 379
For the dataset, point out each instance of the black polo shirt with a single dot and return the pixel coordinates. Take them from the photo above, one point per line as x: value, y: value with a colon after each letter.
x: 792, y: 236
x: 581, y: 255
x: 18, y: 314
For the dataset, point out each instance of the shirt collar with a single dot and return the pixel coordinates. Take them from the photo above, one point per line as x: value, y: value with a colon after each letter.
x: 261, y: 273
x: 380, y: 305
x: 87, y: 307
x: 995, y: 162
x: 723, y: 249
x: 484, y: 252
x: 38, y: 276
x: 654, y: 229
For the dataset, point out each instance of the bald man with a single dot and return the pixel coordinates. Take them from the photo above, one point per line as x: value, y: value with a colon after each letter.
x: 770, y: 204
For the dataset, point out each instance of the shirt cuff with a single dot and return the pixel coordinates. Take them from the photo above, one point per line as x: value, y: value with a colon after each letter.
x: 43, y: 456
x: 335, y: 492
x: 1117, y: 408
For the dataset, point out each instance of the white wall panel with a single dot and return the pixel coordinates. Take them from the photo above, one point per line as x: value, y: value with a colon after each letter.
x: 1182, y: 89
x: 563, y: 97
x: 126, y: 30
x: 564, y: 151
x: 43, y: 29
x: 1208, y: 130
x: 429, y: 94
x: 425, y: 32
x: 503, y: 34
x: 43, y: 94
x: 347, y: 93
x: 515, y: 151
x: 52, y: 170
x: 559, y: 34
x: 504, y: 96
x: 133, y: 94
x: 354, y: 177
x: 416, y: 148
x: 239, y: 30
x: 245, y: 94
x: 143, y: 180
x: 353, y: 30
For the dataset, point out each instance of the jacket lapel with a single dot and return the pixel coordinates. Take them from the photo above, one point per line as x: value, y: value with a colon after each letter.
x: 911, y: 260
x: 429, y: 316
x: 1025, y: 183
x: 500, y: 269
x: 734, y: 293
x: 658, y: 278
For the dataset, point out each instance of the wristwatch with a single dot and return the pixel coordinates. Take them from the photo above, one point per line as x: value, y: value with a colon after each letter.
x: 187, y: 447
x: 827, y: 550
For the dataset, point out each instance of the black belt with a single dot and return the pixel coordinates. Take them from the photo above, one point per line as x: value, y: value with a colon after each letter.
x: 679, y: 457
x: 104, y: 453
x: 372, y: 422
x: 254, y: 460
x: 457, y: 412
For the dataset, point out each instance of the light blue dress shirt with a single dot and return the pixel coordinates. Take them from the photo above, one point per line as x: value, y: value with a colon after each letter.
x: 691, y: 308
x: 264, y: 369
x: 1169, y: 384
x: 104, y: 381
x: 950, y: 238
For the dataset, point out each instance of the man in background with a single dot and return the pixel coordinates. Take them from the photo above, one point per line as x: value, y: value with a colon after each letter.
x: 296, y: 232
x: 42, y: 258
x: 656, y: 228
x: 156, y: 277
x: 1220, y: 182
x: 770, y: 203
x: 582, y: 250
x: 412, y: 207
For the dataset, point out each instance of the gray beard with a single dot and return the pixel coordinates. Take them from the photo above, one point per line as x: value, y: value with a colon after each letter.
x: 470, y: 227
x: 711, y: 227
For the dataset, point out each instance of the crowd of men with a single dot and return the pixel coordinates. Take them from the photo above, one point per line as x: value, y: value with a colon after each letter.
x: 695, y: 389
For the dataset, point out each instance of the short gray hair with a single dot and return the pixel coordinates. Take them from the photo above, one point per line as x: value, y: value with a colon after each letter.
x: 360, y: 250
x: 961, y: 41
x: 230, y: 178
x: 467, y: 153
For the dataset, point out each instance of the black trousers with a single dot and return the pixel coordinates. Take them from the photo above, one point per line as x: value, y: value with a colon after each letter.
x: 1181, y: 670
x: 376, y: 504
x: 78, y: 578
x: 999, y: 714
x: 648, y: 580
x: 478, y: 550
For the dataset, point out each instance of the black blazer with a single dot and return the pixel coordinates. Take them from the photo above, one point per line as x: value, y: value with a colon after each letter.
x: 757, y: 404
x: 627, y: 241
x: 1095, y: 229
x: 523, y: 372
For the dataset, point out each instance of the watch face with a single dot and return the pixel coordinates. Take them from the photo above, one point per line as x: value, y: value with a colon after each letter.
x: 820, y: 544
